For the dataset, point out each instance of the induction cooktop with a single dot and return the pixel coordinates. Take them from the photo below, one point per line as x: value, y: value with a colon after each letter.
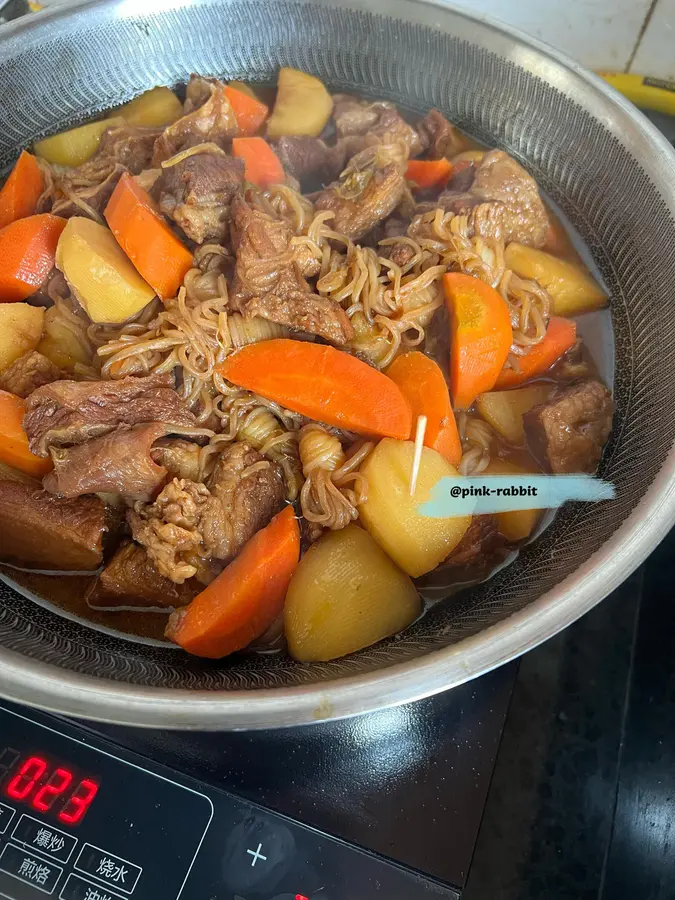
x: 382, y: 806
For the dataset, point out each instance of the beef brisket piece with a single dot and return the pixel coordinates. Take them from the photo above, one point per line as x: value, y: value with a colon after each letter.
x: 72, y: 412
x: 50, y: 532
x: 568, y: 432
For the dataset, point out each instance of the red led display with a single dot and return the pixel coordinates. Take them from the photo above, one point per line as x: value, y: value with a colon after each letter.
x: 51, y: 788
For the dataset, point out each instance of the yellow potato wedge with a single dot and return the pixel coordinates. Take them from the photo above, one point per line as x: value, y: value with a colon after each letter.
x: 573, y: 290
x: 514, y: 524
x: 346, y: 594
x: 99, y: 273
x: 20, y: 331
x: 504, y: 410
x: 74, y: 147
x: 303, y: 105
x: 417, y: 544
x: 155, y: 108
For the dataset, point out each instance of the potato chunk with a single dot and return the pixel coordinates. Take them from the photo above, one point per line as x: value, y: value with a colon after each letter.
x: 504, y: 410
x: 416, y: 543
x: 303, y: 105
x: 514, y: 524
x: 346, y: 594
x: 76, y: 146
x: 155, y: 108
x: 573, y: 290
x: 101, y: 275
x: 20, y: 331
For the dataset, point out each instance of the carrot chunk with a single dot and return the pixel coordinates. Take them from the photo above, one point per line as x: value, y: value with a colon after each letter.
x: 426, y: 173
x: 14, y: 441
x: 480, y: 336
x: 22, y: 190
x: 27, y: 255
x: 423, y: 385
x: 322, y: 383
x: 262, y: 165
x: 141, y: 231
x: 561, y: 334
x: 249, y: 112
x: 246, y: 598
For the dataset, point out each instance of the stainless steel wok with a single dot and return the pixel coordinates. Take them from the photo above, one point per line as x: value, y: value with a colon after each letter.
x: 594, y: 155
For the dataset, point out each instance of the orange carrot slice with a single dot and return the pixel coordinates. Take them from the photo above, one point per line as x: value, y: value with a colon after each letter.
x: 244, y: 600
x: 323, y: 383
x: 480, y: 335
x: 143, y: 234
x: 561, y: 334
x: 426, y: 173
x: 14, y: 441
x: 249, y: 112
x: 423, y: 385
x: 27, y: 254
x: 22, y: 190
x: 262, y: 165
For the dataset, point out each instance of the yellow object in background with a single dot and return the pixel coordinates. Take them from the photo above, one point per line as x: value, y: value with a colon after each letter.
x: 34, y: 7
x: 656, y: 94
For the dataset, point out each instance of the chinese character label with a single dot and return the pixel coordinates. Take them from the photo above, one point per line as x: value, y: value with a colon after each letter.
x: 95, y: 894
x: 108, y: 868
x: 32, y: 870
x: 49, y: 841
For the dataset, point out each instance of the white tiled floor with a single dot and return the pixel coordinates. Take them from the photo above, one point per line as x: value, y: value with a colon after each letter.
x: 599, y: 33
x: 656, y: 53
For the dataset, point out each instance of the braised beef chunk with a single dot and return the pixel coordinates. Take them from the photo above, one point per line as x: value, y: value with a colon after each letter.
x: 305, y: 312
x: 82, y: 201
x: 115, y: 463
x: 197, y: 191
x: 131, y: 580
x: 567, y: 433
x: 369, y: 190
x: 399, y: 253
x: 258, y: 238
x: 180, y: 458
x: 209, y: 118
x: 478, y: 546
x: 501, y: 179
x: 250, y: 489
x: 500, y: 198
x: 462, y: 181
x: 273, y: 289
x: 27, y: 373
x: 72, y: 412
x: 129, y: 145
x: 310, y: 160
x: 189, y: 523
x: 439, y: 137
x: 353, y: 116
x: 377, y: 123
x: 38, y: 529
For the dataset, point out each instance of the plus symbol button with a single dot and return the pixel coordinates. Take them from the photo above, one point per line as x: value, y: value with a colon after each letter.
x: 256, y: 854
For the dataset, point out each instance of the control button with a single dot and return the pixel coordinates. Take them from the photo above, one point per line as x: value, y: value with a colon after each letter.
x: 23, y: 865
x: 119, y: 873
x: 258, y: 854
x: 44, y: 839
x: 6, y: 816
x: 77, y: 888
